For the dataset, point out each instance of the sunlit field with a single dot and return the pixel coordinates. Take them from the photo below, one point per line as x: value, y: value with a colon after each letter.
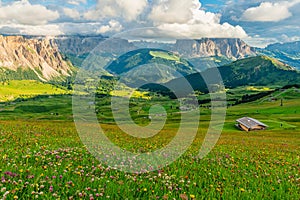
x: 44, y: 158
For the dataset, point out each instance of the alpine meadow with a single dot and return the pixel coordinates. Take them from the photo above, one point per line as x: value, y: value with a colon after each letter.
x: 149, y: 99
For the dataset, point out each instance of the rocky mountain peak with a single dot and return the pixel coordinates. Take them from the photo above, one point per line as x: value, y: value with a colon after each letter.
x: 38, y: 55
x: 206, y: 47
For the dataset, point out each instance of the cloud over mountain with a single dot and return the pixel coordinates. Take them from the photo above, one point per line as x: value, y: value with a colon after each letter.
x: 127, y: 9
x: 259, y: 22
x: 269, y: 12
x: 23, y: 12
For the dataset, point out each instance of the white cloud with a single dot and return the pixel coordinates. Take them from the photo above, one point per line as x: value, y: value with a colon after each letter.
x: 185, y: 18
x: 269, y: 12
x: 174, y: 18
x: 47, y: 29
x: 285, y: 38
x: 76, y: 2
x: 113, y: 26
x: 72, y: 13
x: 126, y: 9
x: 173, y: 11
x: 22, y: 12
x: 259, y: 41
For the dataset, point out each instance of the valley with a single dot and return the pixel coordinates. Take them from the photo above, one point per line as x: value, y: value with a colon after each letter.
x: 43, y: 155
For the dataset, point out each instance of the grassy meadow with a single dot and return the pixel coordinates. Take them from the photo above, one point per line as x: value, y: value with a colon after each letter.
x: 42, y: 156
x: 14, y: 89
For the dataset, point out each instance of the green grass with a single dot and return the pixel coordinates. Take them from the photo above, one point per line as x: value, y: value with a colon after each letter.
x: 46, y: 160
x: 11, y: 90
x: 165, y: 55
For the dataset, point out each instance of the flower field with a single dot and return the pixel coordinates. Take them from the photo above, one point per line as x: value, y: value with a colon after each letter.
x: 46, y: 160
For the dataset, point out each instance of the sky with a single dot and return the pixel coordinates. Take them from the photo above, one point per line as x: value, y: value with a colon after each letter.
x: 257, y: 22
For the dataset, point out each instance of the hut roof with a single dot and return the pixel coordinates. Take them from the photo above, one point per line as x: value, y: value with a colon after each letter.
x: 250, y: 122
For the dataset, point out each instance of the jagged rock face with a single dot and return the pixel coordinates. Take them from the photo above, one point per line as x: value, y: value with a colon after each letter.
x: 206, y: 47
x: 77, y: 45
x: 39, y: 55
x: 80, y: 45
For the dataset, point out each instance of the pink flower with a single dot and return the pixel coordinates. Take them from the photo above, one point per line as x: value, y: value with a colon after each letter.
x: 51, y: 189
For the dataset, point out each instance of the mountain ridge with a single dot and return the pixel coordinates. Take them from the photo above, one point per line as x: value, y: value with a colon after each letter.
x: 39, y: 58
x: 288, y: 53
x: 254, y: 71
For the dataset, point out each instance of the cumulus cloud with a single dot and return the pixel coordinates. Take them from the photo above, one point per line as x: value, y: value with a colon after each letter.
x: 22, y: 12
x: 286, y: 38
x: 185, y: 18
x: 72, y: 13
x: 269, y: 12
x: 76, y: 2
x: 113, y: 26
x: 47, y: 29
x: 126, y: 9
x: 174, y: 18
x: 172, y: 11
x: 260, y: 41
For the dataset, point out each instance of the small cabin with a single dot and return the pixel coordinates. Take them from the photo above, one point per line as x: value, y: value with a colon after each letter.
x: 250, y: 124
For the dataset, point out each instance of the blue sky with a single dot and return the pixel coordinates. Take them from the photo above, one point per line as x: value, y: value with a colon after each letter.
x: 258, y: 22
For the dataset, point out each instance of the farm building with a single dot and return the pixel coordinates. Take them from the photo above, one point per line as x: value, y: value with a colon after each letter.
x: 250, y: 124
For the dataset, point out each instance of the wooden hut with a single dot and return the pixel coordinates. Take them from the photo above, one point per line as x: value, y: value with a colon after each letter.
x: 250, y: 124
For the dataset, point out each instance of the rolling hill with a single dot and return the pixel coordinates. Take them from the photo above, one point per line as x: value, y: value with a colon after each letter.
x: 149, y: 65
x: 254, y: 71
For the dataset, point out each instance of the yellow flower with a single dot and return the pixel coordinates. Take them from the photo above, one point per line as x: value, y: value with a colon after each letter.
x: 15, y: 197
x: 21, y: 170
x: 242, y: 190
x: 145, y: 189
x: 192, y: 196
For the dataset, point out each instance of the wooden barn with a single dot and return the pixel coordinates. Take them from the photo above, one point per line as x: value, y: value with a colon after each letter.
x: 250, y: 124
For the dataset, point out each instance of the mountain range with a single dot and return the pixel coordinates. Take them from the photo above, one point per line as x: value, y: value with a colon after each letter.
x: 36, y: 59
x: 254, y: 71
x: 288, y: 53
x: 47, y: 59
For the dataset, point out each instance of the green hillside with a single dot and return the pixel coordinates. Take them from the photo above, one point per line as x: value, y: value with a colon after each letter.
x: 19, y: 74
x: 254, y: 71
x: 259, y: 70
x: 166, y: 66
x: 11, y: 90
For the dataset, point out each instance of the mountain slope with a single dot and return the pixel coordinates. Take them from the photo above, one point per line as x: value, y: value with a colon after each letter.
x: 150, y: 65
x: 37, y: 59
x: 288, y: 53
x: 254, y: 71
x: 205, y: 52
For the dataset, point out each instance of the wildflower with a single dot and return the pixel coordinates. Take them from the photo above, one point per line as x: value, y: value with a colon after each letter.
x: 15, y: 197
x: 183, y: 197
x: 242, y: 190
x: 5, y: 194
x: 145, y: 189
x: 192, y: 196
